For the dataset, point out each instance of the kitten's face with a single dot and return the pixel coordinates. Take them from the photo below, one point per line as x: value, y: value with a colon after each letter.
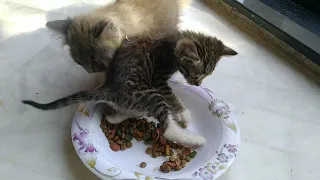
x: 90, y: 44
x: 199, y: 56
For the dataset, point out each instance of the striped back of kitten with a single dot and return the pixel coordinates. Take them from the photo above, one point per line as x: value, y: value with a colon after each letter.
x: 137, y: 80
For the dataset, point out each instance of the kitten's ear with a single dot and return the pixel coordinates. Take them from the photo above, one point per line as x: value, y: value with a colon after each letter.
x: 59, y: 26
x: 226, y: 51
x: 187, y: 51
x: 107, y: 29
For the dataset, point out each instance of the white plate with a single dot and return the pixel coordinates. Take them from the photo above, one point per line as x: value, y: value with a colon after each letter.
x: 211, y: 118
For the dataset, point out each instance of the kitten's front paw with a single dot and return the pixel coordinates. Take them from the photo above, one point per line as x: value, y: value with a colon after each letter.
x: 175, y: 133
x: 192, y: 140
x: 184, y: 118
x: 186, y: 139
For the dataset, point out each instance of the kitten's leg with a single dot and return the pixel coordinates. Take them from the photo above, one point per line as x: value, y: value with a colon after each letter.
x: 180, y: 113
x: 100, y: 85
x: 103, y: 81
x: 154, y: 103
x: 113, y: 116
x: 116, y: 118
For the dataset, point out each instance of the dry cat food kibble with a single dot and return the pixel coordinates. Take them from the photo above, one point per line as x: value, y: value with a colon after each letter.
x: 149, y: 150
x: 143, y: 164
x: 129, y: 144
x: 121, y: 135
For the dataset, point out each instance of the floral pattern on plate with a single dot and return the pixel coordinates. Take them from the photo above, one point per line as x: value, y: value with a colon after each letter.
x: 87, y: 149
x: 227, y: 153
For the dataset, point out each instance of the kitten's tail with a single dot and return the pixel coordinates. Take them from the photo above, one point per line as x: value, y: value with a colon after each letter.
x: 80, y: 97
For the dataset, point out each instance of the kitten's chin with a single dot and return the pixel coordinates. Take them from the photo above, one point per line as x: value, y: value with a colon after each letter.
x: 193, y: 83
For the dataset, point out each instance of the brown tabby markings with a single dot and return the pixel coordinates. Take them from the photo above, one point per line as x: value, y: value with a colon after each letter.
x: 137, y: 80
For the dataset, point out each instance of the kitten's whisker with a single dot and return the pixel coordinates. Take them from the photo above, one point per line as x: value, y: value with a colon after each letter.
x: 127, y: 38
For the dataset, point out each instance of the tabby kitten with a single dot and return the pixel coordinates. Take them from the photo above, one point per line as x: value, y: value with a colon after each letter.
x: 137, y: 80
x: 94, y: 37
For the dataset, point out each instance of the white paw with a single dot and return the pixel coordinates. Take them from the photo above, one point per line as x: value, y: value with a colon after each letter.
x: 191, y: 140
x: 116, y: 119
x: 187, y: 139
x: 184, y: 117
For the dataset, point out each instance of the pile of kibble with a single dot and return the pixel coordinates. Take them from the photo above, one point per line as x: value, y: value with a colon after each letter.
x: 120, y: 136
x: 179, y: 161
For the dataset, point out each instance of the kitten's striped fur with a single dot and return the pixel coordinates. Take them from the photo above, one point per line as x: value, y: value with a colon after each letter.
x: 137, y: 80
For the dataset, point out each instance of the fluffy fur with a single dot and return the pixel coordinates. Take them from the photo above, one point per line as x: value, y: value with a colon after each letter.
x: 137, y: 80
x: 94, y: 37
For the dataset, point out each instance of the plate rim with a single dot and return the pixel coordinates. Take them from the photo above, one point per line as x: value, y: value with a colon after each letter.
x: 227, y: 153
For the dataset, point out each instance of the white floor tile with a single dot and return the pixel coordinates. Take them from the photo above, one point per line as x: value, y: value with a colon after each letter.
x: 17, y: 50
x: 16, y: 172
x: 305, y: 166
x: 48, y: 75
x: 305, y: 138
x: 41, y: 145
x: 266, y: 129
x: 43, y: 5
x: 257, y: 162
x: 294, y: 104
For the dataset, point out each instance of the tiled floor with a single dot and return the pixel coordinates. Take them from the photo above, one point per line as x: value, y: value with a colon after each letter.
x: 276, y: 104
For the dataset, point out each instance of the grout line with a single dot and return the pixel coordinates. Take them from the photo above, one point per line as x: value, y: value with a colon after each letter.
x: 22, y: 65
x: 45, y: 173
x: 30, y: 168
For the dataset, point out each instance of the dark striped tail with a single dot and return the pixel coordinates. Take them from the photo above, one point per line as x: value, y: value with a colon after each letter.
x: 79, y: 97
